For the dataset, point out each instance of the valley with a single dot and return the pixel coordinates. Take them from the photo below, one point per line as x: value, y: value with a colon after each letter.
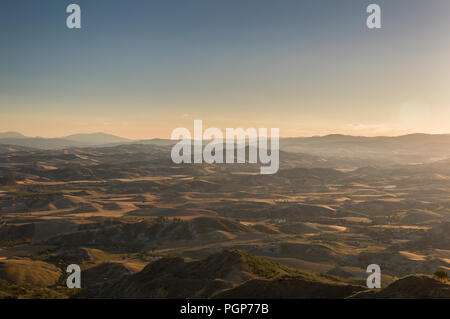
x: 142, y: 227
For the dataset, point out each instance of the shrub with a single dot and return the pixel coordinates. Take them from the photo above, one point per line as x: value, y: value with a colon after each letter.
x: 441, y: 274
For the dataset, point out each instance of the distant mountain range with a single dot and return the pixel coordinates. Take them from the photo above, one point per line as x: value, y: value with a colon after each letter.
x: 412, y: 148
x: 76, y: 140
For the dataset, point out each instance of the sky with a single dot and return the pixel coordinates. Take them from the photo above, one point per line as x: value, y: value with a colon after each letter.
x: 141, y: 68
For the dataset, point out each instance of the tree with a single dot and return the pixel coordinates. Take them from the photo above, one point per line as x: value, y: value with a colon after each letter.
x: 441, y: 274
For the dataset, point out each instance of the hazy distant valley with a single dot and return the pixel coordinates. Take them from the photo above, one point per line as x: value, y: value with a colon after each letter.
x: 142, y: 227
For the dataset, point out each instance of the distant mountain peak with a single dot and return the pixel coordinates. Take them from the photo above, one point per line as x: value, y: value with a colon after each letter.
x: 12, y: 134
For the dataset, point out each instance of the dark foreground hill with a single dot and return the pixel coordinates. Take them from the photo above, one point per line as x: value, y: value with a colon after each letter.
x: 237, y: 274
x: 410, y: 287
x: 226, y: 274
x: 230, y: 273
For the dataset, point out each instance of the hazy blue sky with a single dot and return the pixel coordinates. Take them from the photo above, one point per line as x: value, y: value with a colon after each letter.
x: 141, y: 68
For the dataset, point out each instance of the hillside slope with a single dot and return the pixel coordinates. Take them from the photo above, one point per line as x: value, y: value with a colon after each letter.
x: 410, y: 287
x: 217, y: 276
